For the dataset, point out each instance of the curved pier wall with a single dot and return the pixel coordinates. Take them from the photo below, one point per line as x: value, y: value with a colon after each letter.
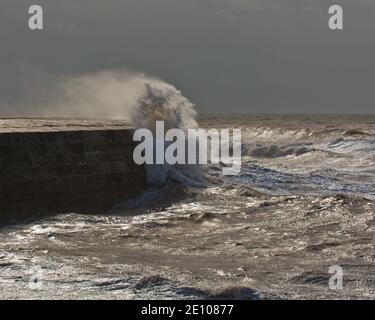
x: 66, y: 171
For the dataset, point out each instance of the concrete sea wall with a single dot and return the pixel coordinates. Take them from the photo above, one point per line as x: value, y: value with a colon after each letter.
x: 66, y: 171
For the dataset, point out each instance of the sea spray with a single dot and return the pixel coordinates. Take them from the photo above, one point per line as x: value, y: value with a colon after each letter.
x: 133, y: 97
x: 162, y: 102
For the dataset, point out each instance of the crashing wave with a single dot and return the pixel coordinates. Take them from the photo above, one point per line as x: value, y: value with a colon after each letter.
x: 163, y: 102
x: 274, y: 151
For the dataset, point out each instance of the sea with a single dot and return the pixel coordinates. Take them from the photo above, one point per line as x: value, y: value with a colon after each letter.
x: 299, y: 216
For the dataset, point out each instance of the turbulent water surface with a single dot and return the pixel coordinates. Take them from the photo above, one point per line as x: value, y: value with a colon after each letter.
x: 304, y: 201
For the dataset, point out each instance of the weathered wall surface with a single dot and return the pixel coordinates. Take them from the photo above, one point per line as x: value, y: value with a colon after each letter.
x: 66, y: 171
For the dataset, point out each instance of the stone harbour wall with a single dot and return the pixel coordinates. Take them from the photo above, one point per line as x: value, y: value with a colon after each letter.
x: 66, y: 171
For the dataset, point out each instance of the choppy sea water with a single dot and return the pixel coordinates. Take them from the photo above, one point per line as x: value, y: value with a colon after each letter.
x: 303, y: 202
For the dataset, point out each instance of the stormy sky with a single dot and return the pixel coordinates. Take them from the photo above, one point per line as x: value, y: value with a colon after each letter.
x: 227, y: 56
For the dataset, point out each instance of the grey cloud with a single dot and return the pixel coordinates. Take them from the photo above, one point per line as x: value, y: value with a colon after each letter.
x: 226, y: 56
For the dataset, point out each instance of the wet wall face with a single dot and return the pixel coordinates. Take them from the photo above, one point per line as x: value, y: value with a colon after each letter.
x: 227, y: 56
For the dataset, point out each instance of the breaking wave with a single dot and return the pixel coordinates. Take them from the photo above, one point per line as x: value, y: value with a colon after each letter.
x: 350, y: 146
x: 163, y: 102
x: 273, y: 151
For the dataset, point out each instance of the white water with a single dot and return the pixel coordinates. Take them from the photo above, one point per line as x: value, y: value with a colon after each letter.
x: 163, y: 102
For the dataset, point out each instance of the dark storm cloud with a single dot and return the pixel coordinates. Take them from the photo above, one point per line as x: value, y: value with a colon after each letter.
x: 227, y: 56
